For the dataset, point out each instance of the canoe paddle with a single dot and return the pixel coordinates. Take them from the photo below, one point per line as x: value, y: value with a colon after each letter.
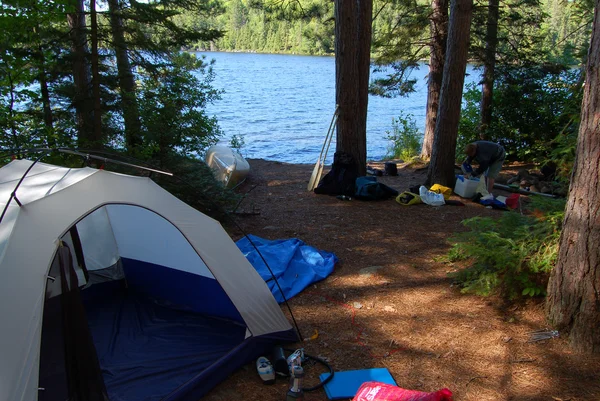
x: 318, y: 169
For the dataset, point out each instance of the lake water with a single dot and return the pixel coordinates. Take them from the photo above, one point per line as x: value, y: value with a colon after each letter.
x: 282, y: 105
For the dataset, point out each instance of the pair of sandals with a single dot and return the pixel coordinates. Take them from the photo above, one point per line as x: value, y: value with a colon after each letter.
x: 265, y: 370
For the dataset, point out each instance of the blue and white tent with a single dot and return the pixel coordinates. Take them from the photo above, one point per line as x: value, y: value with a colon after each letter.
x: 165, y: 305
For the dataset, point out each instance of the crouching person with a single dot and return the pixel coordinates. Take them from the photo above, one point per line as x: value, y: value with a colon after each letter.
x: 490, y: 157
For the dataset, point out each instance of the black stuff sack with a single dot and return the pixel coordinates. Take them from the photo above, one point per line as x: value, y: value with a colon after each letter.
x: 391, y: 169
x: 340, y: 180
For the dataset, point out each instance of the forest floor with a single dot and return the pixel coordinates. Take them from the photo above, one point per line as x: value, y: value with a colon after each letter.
x: 391, y: 303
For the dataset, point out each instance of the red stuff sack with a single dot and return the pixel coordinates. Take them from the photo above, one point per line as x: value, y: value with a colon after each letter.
x: 375, y: 391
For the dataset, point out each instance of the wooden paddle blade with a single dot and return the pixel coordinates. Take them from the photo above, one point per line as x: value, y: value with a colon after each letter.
x: 318, y: 177
x: 314, y: 178
x: 318, y: 170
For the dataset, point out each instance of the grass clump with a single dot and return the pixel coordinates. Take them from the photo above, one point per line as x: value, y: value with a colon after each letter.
x: 512, y: 255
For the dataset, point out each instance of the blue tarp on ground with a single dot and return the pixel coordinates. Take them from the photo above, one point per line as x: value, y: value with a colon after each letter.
x: 294, y: 264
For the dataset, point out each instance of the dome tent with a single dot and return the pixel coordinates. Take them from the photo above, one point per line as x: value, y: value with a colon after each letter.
x: 171, y: 306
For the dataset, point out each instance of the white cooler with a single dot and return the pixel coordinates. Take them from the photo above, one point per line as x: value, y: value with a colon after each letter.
x: 465, y: 187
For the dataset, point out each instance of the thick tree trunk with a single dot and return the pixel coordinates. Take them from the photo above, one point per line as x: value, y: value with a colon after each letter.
x: 441, y: 167
x: 489, y: 66
x: 96, y: 142
x: 131, y: 115
x: 81, y: 74
x: 573, y: 302
x: 352, y: 68
x: 439, y: 38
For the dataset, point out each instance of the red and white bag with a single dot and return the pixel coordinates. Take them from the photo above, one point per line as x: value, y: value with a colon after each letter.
x: 375, y: 391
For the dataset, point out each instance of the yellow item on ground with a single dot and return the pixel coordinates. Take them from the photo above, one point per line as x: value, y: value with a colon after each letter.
x: 440, y: 189
x: 408, y: 198
x: 314, y: 336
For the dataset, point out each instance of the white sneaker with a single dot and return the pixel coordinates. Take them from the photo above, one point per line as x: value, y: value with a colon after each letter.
x: 265, y: 370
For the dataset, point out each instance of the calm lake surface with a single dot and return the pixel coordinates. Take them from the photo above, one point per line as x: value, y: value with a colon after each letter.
x: 282, y: 105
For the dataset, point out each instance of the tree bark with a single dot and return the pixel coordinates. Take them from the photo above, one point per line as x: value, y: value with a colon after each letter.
x: 439, y: 38
x: 131, y: 115
x: 441, y: 167
x: 573, y: 302
x: 46, y: 107
x: 489, y: 66
x: 81, y: 74
x: 352, y: 68
x: 14, y: 142
x: 96, y: 142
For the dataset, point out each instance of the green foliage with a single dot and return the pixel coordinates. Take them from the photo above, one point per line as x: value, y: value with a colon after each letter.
x: 512, y: 255
x: 39, y: 99
x: 519, y: 32
x: 405, y: 138
x: 567, y: 30
x: 272, y: 26
x: 31, y: 38
x: 193, y: 182
x: 470, y: 115
x: 397, y: 83
x: 237, y: 142
x: 172, y: 107
x: 532, y: 107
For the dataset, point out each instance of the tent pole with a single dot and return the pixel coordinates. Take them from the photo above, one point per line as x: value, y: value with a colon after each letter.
x: 13, y: 195
x: 106, y: 159
x: 274, y: 278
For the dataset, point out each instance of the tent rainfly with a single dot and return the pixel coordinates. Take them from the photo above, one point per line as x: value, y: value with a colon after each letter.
x: 113, y: 289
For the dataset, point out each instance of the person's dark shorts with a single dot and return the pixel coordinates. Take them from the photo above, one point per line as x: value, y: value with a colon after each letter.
x: 494, y: 170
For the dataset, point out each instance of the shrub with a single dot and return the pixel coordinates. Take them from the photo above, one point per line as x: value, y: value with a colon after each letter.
x: 173, y: 101
x: 512, y: 255
x: 405, y: 138
x: 194, y: 183
x: 237, y: 142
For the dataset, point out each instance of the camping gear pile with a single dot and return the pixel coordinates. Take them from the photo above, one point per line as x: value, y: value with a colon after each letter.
x: 436, y: 195
x: 113, y: 289
x: 343, y: 180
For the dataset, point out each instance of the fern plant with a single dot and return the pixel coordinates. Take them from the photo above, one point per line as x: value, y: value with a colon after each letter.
x: 512, y: 255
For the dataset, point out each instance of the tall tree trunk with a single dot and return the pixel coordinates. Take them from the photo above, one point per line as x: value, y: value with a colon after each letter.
x: 489, y: 66
x: 439, y: 38
x: 81, y: 74
x: 352, y: 68
x: 15, y: 143
x: 441, y: 167
x: 96, y: 142
x: 46, y: 107
x: 131, y: 115
x: 573, y: 302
